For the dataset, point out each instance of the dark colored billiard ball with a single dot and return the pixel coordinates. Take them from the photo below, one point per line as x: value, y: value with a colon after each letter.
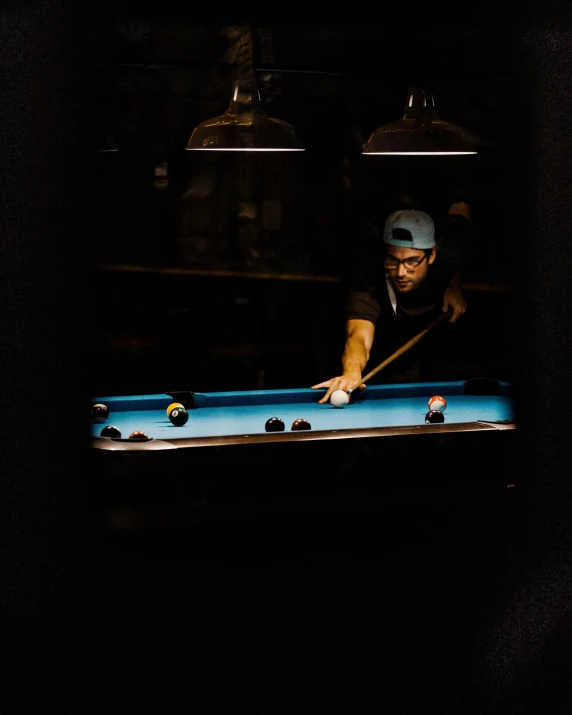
x: 434, y: 417
x: 301, y: 424
x: 179, y: 416
x: 138, y: 436
x: 274, y: 424
x: 99, y: 413
x: 110, y: 431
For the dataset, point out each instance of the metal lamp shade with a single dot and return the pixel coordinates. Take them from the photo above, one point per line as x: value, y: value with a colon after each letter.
x: 420, y: 132
x: 244, y: 126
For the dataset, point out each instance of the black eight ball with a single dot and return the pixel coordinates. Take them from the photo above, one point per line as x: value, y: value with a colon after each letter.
x: 179, y: 416
x: 274, y: 424
x: 434, y: 417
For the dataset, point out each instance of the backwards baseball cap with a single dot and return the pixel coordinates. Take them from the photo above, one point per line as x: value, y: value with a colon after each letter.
x: 411, y: 229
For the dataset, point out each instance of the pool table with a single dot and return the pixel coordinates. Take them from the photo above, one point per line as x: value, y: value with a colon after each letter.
x: 225, y: 418
x: 376, y: 450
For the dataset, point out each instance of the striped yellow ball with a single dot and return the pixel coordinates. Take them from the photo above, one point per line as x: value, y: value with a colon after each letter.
x: 172, y: 407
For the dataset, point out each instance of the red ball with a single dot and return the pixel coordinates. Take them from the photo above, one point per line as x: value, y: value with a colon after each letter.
x: 138, y: 436
x: 437, y: 403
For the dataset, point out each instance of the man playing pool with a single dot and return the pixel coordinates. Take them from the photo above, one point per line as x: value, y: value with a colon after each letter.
x: 393, y: 294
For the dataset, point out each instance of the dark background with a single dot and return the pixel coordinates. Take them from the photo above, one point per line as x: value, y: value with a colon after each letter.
x: 218, y: 271
x: 341, y: 618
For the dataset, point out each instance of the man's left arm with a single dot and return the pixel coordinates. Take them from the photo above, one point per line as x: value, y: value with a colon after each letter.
x: 453, y: 297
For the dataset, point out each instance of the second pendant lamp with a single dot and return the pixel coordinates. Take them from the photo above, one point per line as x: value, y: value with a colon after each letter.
x: 420, y: 131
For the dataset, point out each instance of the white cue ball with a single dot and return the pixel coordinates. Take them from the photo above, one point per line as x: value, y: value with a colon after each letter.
x: 339, y: 398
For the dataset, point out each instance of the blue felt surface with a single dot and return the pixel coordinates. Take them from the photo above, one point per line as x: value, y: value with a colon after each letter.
x: 246, y: 413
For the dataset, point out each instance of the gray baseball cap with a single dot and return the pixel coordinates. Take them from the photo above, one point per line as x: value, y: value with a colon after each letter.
x: 410, y: 228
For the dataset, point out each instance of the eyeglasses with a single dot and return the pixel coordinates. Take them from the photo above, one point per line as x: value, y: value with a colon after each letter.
x: 410, y: 264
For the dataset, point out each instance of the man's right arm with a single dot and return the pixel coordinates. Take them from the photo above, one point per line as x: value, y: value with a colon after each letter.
x: 357, y: 348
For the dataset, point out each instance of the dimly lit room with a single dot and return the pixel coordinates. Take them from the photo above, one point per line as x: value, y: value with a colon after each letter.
x: 227, y: 269
x: 293, y: 293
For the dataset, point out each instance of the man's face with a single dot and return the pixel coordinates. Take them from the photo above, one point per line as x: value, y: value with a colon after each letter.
x: 404, y: 277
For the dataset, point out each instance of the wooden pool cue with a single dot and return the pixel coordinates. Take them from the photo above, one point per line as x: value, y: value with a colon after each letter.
x: 409, y: 344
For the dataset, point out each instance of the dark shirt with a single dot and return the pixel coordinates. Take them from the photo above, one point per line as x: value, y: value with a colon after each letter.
x: 368, y: 297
